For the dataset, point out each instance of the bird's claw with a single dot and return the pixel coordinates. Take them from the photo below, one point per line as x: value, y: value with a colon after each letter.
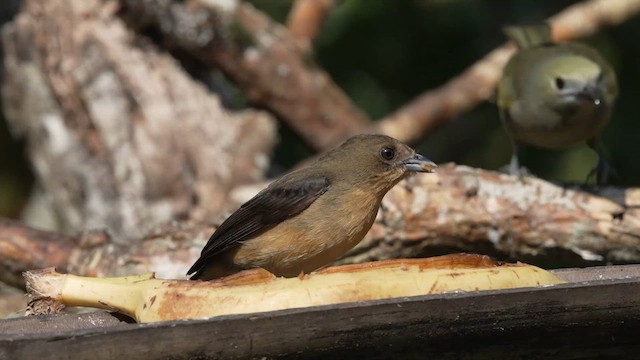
x: 603, y: 171
x: 514, y: 168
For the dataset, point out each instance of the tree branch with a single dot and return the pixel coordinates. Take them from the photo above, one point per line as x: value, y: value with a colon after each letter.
x: 261, y: 56
x: 306, y: 19
x: 438, y: 106
x: 457, y: 209
x: 487, y: 212
x: 23, y: 248
x: 60, y: 107
x: 169, y: 251
x: 306, y: 98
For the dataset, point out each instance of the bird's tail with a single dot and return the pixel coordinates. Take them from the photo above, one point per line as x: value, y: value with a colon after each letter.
x: 529, y: 36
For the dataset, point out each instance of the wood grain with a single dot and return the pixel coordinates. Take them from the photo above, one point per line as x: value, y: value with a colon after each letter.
x: 594, y: 319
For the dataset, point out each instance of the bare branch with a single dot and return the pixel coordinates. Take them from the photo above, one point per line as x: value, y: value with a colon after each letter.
x: 585, y: 19
x: 261, y: 56
x: 458, y: 208
x: 274, y: 73
x: 438, y: 106
x: 482, y: 211
x: 306, y: 19
x: 465, y: 209
x: 169, y: 251
x: 435, y: 107
x: 23, y: 248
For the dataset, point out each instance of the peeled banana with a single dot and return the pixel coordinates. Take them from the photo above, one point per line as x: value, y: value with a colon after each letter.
x: 147, y: 299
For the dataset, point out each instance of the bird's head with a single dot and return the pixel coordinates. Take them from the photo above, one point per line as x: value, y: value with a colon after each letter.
x: 377, y: 161
x: 569, y: 83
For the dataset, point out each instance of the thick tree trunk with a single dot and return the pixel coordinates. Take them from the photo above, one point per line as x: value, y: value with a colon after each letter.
x: 120, y: 137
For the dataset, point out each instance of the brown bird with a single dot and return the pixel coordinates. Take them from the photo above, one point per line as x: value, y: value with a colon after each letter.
x: 311, y: 216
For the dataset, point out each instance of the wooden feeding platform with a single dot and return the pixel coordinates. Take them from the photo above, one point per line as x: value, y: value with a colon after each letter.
x: 595, y: 315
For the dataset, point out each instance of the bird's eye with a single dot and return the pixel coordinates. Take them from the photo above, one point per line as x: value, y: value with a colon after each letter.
x: 559, y: 83
x: 388, y: 153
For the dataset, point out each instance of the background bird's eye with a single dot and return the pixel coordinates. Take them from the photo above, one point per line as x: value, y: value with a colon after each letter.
x: 388, y: 153
x: 559, y: 83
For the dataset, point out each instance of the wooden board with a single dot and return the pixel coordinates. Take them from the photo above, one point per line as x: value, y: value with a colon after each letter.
x: 596, y: 317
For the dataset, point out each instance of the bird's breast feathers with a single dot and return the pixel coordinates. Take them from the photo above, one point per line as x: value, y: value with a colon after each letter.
x: 548, y: 130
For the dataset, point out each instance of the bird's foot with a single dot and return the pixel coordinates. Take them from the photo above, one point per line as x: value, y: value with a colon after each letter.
x: 603, y: 171
x: 515, y: 170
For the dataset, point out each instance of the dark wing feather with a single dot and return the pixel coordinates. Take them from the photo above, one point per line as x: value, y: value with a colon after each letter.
x: 264, y: 211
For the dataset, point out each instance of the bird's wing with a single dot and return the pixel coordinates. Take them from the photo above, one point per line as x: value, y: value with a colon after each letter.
x: 506, y: 91
x: 526, y: 37
x: 267, y: 209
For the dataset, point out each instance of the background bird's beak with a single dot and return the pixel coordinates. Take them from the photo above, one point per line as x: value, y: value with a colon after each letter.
x: 591, y: 93
x: 419, y: 163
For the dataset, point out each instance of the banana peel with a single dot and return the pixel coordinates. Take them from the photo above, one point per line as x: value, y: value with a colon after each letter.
x: 147, y: 299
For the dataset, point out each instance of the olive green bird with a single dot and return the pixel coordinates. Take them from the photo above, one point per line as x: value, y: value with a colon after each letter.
x: 555, y: 95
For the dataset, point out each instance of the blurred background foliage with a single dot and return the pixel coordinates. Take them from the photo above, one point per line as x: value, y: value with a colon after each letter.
x: 384, y: 53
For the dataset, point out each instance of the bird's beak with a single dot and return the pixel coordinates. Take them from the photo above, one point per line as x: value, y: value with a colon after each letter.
x: 419, y: 163
x: 591, y: 93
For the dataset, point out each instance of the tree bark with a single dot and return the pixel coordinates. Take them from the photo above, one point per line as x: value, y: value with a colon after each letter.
x: 261, y: 56
x: 456, y: 209
x: 12, y: 301
x: 120, y: 137
x: 306, y: 18
x: 274, y: 72
x: 529, y: 219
